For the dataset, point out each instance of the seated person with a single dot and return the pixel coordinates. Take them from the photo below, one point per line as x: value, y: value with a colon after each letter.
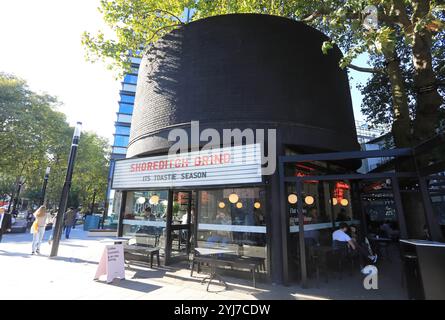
x: 354, y: 233
x: 148, y: 215
x: 222, y: 218
x: 340, y: 235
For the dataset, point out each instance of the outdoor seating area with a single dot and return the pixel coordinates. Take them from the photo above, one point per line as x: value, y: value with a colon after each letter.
x: 220, y: 259
x: 139, y: 249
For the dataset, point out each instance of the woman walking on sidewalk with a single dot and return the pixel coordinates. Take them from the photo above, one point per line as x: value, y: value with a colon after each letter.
x: 38, y: 228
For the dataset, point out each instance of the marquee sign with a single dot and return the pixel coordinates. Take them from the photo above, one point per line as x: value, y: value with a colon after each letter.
x: 230, y: 165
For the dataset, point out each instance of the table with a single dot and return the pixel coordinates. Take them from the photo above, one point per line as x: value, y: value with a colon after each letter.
x: 213, y: 273
x: 424, y: 262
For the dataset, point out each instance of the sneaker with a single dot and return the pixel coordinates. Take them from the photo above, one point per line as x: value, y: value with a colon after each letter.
x: 375, y: 259
x: 363, y: 271
x: 33, y: 253
x: 38, y: 251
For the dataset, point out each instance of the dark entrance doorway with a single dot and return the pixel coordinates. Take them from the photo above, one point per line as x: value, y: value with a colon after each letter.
x: 181, y: 217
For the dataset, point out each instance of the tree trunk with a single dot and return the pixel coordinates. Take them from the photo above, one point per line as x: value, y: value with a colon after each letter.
x: 401, y: 129
x: 403, y: 138
x: 428, y: 98
x: 426, y: 118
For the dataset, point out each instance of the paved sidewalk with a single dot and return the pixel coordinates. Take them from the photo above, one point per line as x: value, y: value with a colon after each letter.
x: 70, y: 276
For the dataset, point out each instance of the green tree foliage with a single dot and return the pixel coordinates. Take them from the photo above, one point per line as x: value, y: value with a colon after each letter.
x: 418, y: 24
x: 377, y: 98
x: 33, y: 136
x: 91, y: 170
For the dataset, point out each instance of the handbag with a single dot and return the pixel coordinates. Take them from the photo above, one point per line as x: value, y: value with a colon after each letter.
x: 35, y: 227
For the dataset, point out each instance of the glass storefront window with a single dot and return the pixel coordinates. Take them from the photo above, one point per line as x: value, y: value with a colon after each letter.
x: 145, y: 217
x: 114, y: 205
x: 235, y: 219
x: 325, y: 205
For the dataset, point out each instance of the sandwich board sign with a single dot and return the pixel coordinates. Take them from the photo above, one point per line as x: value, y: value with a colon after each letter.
x: 111, y: 263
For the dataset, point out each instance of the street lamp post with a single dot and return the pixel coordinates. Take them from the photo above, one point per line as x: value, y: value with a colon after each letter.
x: 57, y: 233
x: 16, y: 198
x: 45, y: 182
x: 104, y: 215
x: 93, y: 204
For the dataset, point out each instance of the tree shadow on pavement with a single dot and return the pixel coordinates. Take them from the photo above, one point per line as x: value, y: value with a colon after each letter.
x: 72, y: 260
x: 73, y: 245
x: 132, y: 285
x: 14, y: 254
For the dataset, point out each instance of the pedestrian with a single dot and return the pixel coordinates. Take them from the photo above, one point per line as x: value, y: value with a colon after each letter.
x: 5, y: 223
x: 77, y: 216
x: 52, y: 220
x: 29, y: 219
x: 38, y: 228
x: 69, y: 222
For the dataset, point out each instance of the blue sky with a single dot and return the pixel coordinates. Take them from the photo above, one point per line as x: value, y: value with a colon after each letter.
x: 357, y: 77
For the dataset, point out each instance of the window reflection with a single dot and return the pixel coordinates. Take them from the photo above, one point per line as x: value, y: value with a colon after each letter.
x: 128, y: 99
x: 130, y: 78
x: 122, y: 130
x: 119, y: 150
x: 238, y: 223
x: 324, y: 205
x: 125, y: 108
x: 145, y: 216
x: 124, y: 118
x: 120, y: 141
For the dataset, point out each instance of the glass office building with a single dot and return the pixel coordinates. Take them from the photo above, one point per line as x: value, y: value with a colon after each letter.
x: 123, y: 123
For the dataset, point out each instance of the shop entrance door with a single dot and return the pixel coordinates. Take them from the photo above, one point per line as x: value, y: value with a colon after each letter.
x: 180, y: 221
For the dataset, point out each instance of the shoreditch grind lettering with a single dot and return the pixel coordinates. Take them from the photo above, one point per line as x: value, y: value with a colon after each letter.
x: 197, y: 161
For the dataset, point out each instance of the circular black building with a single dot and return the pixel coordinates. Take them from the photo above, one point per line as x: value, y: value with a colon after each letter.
x: 244, y: 71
